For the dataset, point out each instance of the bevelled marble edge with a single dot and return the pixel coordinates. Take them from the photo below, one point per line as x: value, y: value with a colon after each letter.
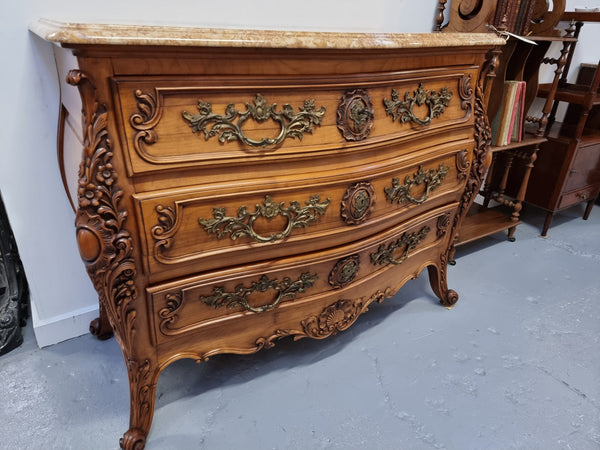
x: 108, y: 34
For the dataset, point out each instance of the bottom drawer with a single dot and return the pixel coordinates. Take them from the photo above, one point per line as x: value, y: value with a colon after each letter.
x: 581, y: 195
x: 239, y: 305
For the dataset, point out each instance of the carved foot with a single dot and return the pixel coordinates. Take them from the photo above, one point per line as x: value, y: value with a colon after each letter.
x: 133, y: 440
x: 450, y: 299
x: 100, y: 330
x: 437, y: 279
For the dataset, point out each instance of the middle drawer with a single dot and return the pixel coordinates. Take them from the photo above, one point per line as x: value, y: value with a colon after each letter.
x: 199, y: 229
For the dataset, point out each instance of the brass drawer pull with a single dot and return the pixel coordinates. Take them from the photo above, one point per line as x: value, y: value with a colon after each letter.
x: 285, y: 289
x: 385, y: 256
x: 403, y: 109
x: 242, y: 225
x: 292, y: 125
x: 432, y: 179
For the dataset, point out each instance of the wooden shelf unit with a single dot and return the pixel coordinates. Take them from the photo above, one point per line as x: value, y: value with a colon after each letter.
x: 567, y: 171
x: 519, y: 60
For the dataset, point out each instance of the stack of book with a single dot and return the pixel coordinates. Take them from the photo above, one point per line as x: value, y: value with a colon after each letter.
x: 507, y: 126
x: 518, y: 15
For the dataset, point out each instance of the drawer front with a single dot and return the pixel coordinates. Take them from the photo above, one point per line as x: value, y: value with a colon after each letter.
x: 189, y: 232
x: 582, y: 195
x: 182, y: 123
x: 585, y: 168
x: 263, y: 291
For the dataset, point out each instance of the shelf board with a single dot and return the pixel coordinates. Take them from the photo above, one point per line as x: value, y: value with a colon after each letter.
x: 480, y: 222
x: 580, y: 16
x: 528, y: 140
x: 559, y: 131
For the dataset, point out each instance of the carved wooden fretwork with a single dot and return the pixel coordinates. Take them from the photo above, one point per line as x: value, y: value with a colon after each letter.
x: 544, y: 19
x: 465, y: 15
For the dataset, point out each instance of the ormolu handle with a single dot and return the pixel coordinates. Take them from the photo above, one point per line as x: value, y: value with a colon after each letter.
x: 432, y: 179
x: 285, y: 289
x: 242, y: 225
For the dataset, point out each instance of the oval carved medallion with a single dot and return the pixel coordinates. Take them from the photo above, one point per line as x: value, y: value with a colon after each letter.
x: 357, y: 203
x: 355, y: 115
x: 344, y: 271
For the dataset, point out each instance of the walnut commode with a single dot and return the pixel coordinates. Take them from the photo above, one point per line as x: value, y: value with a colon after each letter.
x: 237, y: 187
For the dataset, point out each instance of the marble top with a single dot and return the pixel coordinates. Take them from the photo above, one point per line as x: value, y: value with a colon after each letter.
x: 107, y: 34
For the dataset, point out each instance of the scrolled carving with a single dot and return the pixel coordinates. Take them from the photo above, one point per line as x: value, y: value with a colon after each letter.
x: 106, y: 245
x: 401, y: 193
x: 403, y: 110
x: 357, y: 203
x: 145, y: 120
x: 407, y: 242
x: 285, y: 289
x: 443, y: 223
x: 465, y: 92
x: 462, y: 164
x: 242, y: 226
x: 344, y: 271
x: 229, y: 126
x: 168, y: 314
x: 165, y: 229
x: 339, y: 316
x: 355, y: 115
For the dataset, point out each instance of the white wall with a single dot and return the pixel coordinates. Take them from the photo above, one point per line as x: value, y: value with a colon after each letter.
x: 63, y: 300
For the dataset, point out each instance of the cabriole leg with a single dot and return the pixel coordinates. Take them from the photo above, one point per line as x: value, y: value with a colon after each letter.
x: 142, y: 391
x: 439, y: 284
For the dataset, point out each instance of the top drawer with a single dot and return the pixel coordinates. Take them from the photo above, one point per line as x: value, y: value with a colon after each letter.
x: 174, y: 123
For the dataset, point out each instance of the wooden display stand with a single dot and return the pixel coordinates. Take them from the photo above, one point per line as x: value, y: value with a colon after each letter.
x: 519, y: 60
x: 568, y: 169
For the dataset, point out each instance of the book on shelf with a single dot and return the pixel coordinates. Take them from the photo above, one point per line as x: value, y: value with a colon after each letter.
x: 515, y: 132
x: 507, y: 126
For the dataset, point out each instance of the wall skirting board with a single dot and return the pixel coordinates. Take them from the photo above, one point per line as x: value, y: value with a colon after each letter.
x: 62, y: 327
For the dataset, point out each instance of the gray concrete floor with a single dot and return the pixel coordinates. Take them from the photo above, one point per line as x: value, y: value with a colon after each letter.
x: 514, y: 366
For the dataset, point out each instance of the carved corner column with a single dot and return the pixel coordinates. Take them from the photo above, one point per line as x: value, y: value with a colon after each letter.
x: 479, y: 165
x: 107, y: 249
